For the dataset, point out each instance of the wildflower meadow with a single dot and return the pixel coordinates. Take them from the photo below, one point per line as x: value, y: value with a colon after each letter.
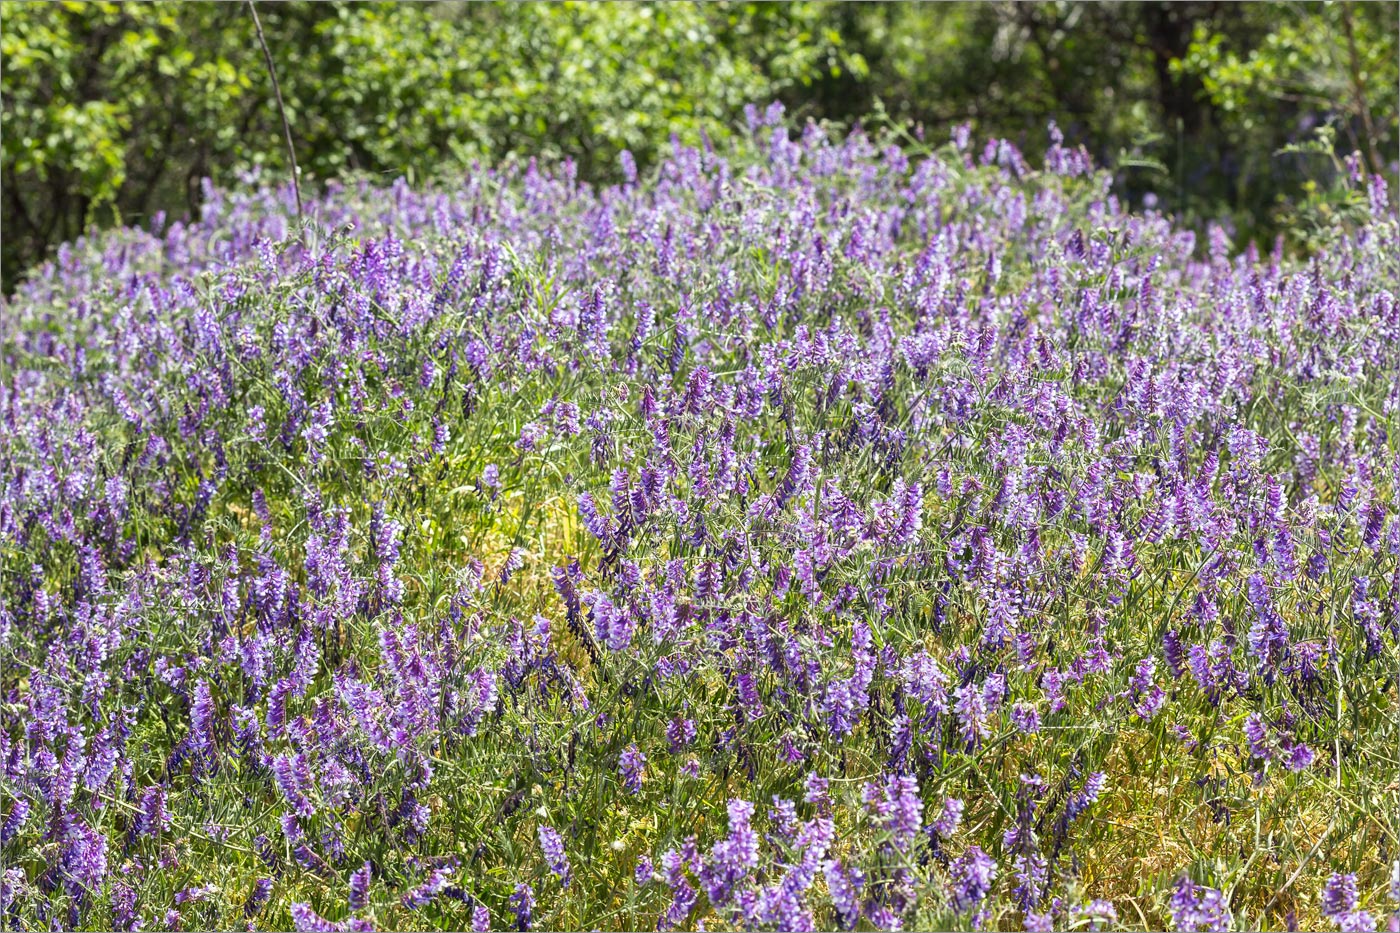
x: 819, y: 530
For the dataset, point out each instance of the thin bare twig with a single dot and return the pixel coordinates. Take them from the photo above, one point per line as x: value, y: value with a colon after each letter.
x: 1358, y: 90
x: 281, y: 108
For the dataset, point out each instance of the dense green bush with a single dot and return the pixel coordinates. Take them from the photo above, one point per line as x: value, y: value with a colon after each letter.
x: 114, y: 111
x: 1203, y: 105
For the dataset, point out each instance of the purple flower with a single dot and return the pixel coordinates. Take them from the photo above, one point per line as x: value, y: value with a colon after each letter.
x: 428, y: 891
x: 1257, y: 734
x: 306, y: 920
x: 19, y: 813
x: 782, y: 817
x: 971, y: 710
x: 809, y: 397
x: 258, y: 897
x: 195, y: 895
x: 644, y: 871
x: 845, y: 886
x: 897, y: 806
x: 1198, y: 908
x: 1172, y: 650
x: 1339, y: 894
x: 1026, y: 718
x: 732, y: 859
x: 1097, y: 912
x: 293, y: 775
x: 152, y: 818
x: 1093, y: 787
x: 972, y: 876
x: 816, y: 791
x: 680, y: 733
x: 522, y: 904
x: 629, y: 167
x: 613, y: 625
x: 1032, y: 872
x: 83, y: 860
x: 202, y: 720
x: 948, y: 819
x: 1297, y: 756
x: 531, y: 435
x: 630, y: 765
x: 1339, y: 905
x: 553, y: 848
x: 1148, y: 698
x: 124, y: 913
x: 1039, y: 922
x: 359, y: 887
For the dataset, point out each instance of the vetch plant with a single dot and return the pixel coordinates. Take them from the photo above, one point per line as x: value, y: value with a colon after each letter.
x: 818, y: 533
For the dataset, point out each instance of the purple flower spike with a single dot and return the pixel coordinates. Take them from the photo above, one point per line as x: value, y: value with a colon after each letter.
x: 631, y: 766
x: 972, y: 875
x: 522, y: 904
x: 1339, y: 905
x: 1199, y: 908
x: 552, y: 845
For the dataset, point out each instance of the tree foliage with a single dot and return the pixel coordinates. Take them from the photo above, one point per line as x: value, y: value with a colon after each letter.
x: 1208, y: 109
x: 116, y: 111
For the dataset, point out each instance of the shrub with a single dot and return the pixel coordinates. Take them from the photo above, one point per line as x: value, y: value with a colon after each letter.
x: 117, y: 111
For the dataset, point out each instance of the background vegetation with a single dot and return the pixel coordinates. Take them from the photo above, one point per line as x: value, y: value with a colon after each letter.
x: 114, y: 112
